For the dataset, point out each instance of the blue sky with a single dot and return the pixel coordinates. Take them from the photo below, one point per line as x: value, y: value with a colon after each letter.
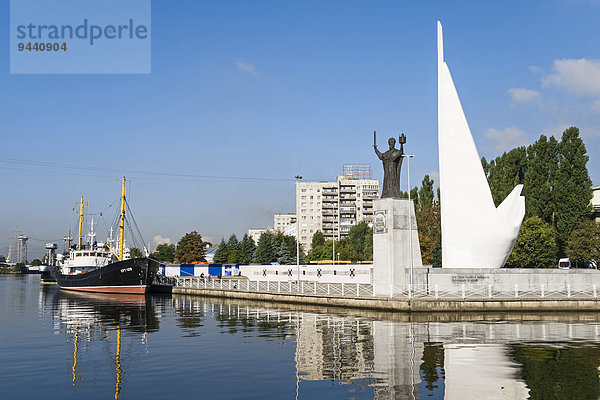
x: 264, y: 91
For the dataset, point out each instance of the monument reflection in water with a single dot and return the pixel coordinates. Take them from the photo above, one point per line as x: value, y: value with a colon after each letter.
x: 356, y: 354
x: 450, y: 356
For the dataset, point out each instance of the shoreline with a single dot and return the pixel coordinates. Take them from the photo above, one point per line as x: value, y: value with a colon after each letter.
x: 423, y: 305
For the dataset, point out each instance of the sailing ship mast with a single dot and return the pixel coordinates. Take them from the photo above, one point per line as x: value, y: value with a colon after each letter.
x: 122, y: 222
x: 80, y: 215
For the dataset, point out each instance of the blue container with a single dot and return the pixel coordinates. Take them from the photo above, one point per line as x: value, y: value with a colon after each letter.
x: 186, y: 270
x: 215, y: 269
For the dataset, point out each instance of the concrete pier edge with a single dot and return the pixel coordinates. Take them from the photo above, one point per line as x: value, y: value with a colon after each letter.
x: 403, y: 304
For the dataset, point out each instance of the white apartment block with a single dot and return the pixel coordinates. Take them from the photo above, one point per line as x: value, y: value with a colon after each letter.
x: 334, y: 207
x: 282, y: 222
x: 596, y: 202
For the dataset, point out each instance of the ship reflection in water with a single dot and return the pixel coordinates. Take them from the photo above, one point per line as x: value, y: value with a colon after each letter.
x: 333, y: 353
x: 90, y: 318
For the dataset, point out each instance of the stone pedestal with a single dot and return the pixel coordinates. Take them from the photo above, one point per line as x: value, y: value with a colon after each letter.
x: 392, y: 235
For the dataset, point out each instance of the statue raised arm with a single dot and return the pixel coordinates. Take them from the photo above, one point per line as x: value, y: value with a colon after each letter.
x: 392, y: 164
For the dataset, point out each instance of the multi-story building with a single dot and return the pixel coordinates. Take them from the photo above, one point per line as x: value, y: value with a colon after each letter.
x: 334, y: 207
x: 282, y: 222
x: 596, y: 202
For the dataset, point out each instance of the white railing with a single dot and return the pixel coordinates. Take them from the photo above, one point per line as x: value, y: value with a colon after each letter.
x: 361, y: 290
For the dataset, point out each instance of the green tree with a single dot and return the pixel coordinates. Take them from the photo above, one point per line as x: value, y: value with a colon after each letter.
x: 222, y: 253
x: 190, y: 248
x: 36, y: 262
x: 425, y: 193
x: 583, y: 244
x: 284, y: 256
x: 318, y: 239
x: 355, y: 244
x: 506, y: 172
x: 134, y: 252
x: 536, y: 245
x: 572, y: 186
x: 429, y: 227
x: 542, y: 164
x: 164, y: 252
x: 322, y: 252
x: 265, y: 251
x: 2, y: 259
x: 235, y: 254
x: 233, y: 243
x: 248, y: 247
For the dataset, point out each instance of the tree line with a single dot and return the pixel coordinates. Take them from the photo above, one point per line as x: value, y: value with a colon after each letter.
x: 558, y: 190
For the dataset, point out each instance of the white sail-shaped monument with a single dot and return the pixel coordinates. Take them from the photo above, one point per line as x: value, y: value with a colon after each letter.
x: 475, y: 234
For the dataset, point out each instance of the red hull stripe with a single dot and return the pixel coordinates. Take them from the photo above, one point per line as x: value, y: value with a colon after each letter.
x: 139, y: 289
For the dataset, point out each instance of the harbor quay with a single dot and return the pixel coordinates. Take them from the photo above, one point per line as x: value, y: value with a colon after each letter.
x: 435, y: 289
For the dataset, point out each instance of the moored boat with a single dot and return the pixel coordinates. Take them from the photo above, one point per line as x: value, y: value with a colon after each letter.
x: 97, y: 267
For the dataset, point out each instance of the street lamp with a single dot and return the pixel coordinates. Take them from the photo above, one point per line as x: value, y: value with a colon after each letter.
x: 298, y: 177
x: 410, y: 287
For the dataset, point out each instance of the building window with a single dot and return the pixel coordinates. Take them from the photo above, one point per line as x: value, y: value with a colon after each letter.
x: 304, y: 204
x: 303, y: 197
x: 304, y: 217
x: 303, y: 190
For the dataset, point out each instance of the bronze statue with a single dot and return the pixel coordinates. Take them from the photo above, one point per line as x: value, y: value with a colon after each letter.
x: 392, y: 163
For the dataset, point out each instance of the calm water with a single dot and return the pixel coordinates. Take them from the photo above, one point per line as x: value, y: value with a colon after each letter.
x: 58, y: 345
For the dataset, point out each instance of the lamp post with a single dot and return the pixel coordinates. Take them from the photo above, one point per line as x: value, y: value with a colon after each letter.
x: 410, y: 287
x: 298, y: 177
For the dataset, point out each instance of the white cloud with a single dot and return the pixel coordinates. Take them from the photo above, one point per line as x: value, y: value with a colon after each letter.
x: 159, y: 239
x: 523, y: 95
x: 576, y: 76
x: 245, y: 66
x: 506, y: 139
x: 535, y: 69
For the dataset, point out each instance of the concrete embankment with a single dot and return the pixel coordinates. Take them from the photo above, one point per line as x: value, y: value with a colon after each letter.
x: 403, y: 304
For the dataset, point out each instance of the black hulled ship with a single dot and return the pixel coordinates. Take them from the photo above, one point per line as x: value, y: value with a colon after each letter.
x: 98, y: 267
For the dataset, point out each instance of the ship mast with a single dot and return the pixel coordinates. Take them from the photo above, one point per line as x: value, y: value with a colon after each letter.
x: 122, y: 222
x: 80, y: 215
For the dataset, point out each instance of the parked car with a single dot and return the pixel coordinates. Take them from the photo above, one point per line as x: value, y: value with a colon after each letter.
x: 564, y: 263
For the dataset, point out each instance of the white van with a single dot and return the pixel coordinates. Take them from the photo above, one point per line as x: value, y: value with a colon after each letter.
x: 564, y: 263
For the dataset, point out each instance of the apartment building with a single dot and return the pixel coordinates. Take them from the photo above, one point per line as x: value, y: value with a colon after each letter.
x: 596, y: 202
x: 282, y: 222
x: 334, y: 207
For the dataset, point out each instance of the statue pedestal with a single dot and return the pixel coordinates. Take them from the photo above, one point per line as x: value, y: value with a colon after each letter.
x: 392, y: 235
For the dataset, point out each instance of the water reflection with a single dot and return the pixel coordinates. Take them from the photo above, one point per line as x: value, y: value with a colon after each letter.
x: 88, y: 318
x: 357, y: 354
x: 451, y: 356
